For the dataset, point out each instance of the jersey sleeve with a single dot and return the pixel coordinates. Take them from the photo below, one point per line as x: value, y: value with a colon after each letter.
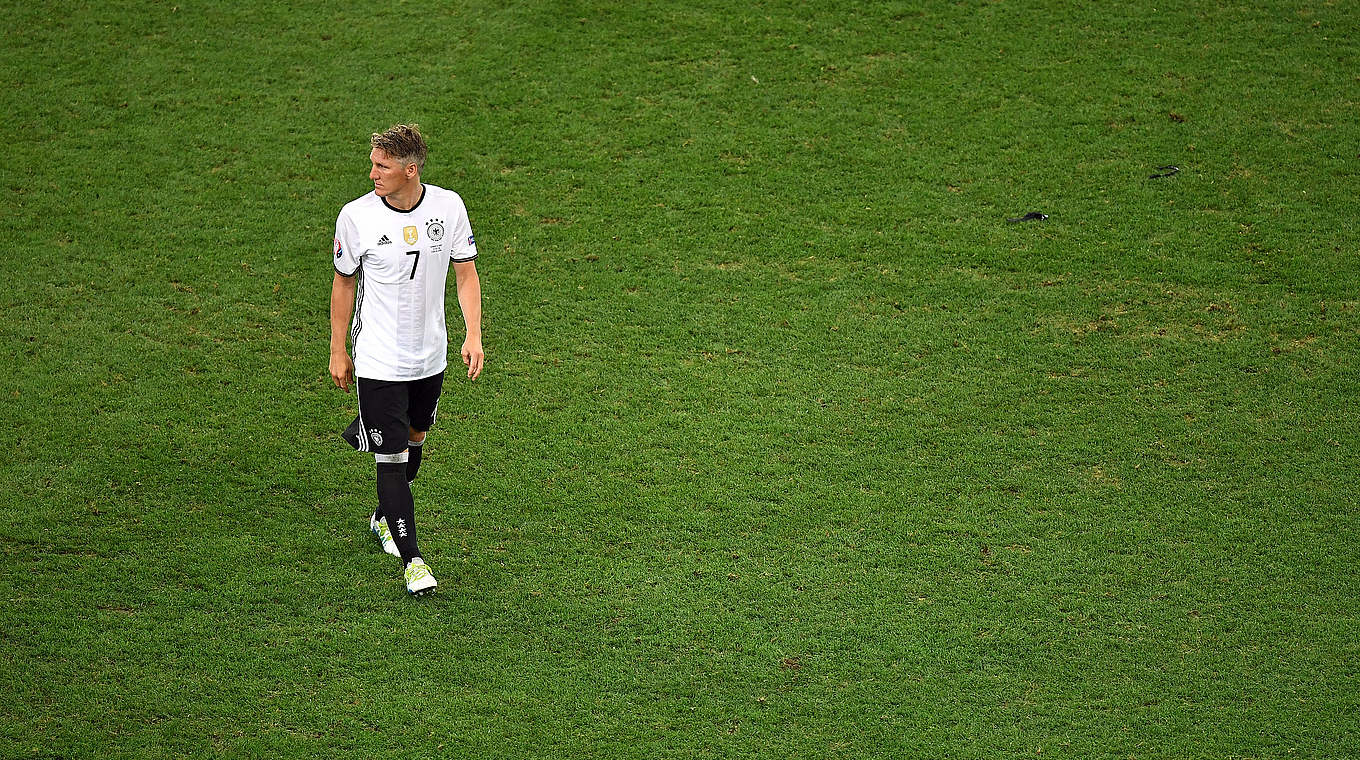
x: 464, y: 247
x: 346, y: 246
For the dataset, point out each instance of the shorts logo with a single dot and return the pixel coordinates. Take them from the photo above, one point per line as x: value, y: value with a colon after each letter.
x: 471, y: 240
x: 376, y: 435
x: 384, y: 240
x: 410, y: 235
x: 339, y: 249
x: 434, y: 230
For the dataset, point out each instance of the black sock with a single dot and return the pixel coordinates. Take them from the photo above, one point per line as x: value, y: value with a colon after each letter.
x: 413, y: 462
x: 394, y: 498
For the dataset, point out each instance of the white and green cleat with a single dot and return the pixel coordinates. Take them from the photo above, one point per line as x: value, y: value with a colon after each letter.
x: 419, y: 580
x: 379, y: 528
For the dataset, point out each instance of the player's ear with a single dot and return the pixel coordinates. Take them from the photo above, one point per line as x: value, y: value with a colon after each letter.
x: 412, y: 170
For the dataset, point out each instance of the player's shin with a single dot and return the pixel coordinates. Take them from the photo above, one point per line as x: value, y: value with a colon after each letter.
x: 394, y: 496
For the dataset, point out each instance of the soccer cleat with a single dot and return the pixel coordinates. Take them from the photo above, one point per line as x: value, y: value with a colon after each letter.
x: 379, y: 528
x: 418, y: 578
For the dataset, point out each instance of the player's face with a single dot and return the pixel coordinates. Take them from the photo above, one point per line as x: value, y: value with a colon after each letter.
x: 388, y: 175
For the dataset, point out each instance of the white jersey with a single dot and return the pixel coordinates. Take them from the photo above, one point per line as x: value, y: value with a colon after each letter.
x: 402, y: 260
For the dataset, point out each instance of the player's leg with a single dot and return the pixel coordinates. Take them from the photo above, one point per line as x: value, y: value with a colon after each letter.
x: 394, y: 494
x: 394, y: 491
x: 387, y: 414
x: 423, y: 412
x: 383, y: 430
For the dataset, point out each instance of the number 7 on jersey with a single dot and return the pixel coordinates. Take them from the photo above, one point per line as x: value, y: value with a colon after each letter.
x: 414, y: 264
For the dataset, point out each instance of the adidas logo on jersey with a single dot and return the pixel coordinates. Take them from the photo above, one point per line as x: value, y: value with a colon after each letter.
x: 384, y: 240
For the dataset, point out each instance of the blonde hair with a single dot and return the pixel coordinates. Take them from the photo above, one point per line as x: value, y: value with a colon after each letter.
x: 402, y: 142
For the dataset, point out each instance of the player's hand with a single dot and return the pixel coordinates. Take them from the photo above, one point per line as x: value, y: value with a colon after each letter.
x: 473, y: 357
x: 342, y: 371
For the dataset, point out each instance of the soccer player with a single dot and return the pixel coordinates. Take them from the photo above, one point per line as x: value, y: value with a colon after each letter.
x: 393, y: 249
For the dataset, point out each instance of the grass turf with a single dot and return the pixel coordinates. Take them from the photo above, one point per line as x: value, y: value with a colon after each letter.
x: 788, y: 446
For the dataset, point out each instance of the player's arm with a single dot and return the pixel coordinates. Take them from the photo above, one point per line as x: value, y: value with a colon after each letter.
x: 470, y: 301
x: 342, y: 310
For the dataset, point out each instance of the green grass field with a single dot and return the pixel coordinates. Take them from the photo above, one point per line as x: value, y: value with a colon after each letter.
x: 788, y: 446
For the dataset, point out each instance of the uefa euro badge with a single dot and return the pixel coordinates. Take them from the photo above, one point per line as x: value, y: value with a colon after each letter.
x: 434, y: 230
x: 410, y: 234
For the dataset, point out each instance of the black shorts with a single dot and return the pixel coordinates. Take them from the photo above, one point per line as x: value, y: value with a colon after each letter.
x: 390, y: 409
